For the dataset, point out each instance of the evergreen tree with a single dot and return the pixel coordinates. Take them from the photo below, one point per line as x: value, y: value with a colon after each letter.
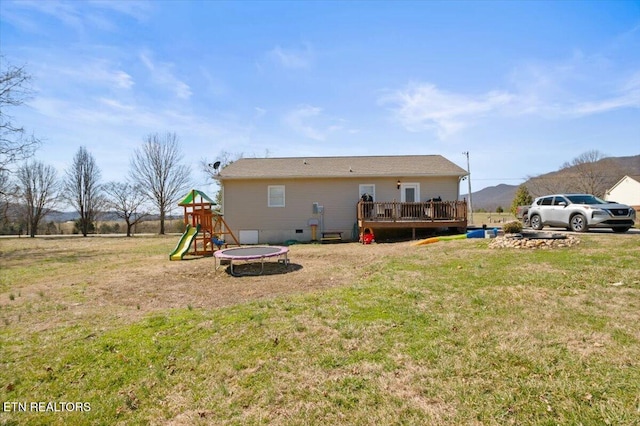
x: 522, y: 198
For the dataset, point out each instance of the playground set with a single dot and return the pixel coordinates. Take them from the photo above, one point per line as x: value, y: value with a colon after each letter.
x: 205, y: 229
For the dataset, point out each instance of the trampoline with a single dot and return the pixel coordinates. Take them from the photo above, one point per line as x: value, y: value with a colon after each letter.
x: 251, y: 253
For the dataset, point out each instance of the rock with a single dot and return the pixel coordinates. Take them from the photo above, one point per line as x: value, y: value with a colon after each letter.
x: 517, y: 241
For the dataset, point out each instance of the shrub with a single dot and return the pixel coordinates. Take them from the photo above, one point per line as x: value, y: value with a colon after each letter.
x: 105, y: 228
x: 512, y: 227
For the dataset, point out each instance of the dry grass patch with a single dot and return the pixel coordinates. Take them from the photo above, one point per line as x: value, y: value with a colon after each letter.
x: 450, y: 333
x: 129, y: 278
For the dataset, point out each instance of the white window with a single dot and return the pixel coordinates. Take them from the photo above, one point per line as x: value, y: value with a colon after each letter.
x: 367, y: 188
x: 275, y: 195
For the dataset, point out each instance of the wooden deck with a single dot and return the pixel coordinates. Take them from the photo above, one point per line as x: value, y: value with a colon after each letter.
x: 427, y: 214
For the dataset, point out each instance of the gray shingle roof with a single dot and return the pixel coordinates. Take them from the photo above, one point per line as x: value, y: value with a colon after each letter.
x: 332, y: 167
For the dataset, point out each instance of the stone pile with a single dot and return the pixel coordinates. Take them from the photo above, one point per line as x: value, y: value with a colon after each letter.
x: 519, y: 241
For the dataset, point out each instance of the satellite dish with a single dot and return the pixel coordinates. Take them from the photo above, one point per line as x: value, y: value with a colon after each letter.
x: 216, y: 165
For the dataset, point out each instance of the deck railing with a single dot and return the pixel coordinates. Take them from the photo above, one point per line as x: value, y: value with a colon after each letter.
x: 392, y: 211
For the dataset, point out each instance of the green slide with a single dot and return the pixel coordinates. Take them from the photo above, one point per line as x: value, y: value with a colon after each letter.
x: 184, y: 243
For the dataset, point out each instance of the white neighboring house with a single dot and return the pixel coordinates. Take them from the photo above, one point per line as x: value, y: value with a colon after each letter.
x: 626, y: 191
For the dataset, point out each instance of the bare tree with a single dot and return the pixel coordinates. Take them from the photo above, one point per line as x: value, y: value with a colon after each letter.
x: 212, y: 169
x: 6, y: 190
x: 38, y: 190
x: 12, y: 219
x: 550, y: 183
x: 224, y: 158
x: 15, y: 144
x: 592, y: 173
x: 157, y: 169
x: 127, y: 201
x: 83, y: 189
x: 6, y: 187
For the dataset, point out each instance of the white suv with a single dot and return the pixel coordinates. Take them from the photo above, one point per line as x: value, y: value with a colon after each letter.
x: 579, y: 212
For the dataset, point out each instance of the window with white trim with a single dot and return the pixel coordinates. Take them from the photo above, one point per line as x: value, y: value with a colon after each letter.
x: 367, y: 188
x: 275, y: 196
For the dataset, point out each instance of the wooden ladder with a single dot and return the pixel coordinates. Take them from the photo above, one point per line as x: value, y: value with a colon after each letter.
x: 220, y: 228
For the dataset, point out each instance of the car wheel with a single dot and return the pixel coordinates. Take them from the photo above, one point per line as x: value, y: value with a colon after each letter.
x: 623, y: 229
x: 535, y: 222
x: 578, y: 223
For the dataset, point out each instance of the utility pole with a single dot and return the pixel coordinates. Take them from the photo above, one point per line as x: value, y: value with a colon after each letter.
x: 469, y: 182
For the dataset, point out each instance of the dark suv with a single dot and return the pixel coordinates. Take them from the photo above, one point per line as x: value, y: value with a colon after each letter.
x: 579, y: 212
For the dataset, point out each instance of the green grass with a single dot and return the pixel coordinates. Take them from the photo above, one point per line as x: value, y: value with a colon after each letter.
x: 455, y: 334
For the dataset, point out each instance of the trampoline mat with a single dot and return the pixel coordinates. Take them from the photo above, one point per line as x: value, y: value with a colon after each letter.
x: 251, y: 252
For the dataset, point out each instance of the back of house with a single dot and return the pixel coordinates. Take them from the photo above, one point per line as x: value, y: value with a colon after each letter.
x: 274, y: 200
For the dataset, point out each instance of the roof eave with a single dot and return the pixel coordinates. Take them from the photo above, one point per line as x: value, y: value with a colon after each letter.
x: 350, y: 176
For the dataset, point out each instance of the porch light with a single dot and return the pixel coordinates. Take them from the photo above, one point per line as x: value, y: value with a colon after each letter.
x: 398, y: 184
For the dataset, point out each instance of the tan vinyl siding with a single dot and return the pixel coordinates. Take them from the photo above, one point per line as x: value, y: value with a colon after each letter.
x: 245, y: 203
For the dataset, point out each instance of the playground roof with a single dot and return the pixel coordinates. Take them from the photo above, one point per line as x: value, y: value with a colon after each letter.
x: 190, y: 198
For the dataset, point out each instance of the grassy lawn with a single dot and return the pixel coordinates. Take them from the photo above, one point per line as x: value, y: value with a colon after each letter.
x: 445, y: 334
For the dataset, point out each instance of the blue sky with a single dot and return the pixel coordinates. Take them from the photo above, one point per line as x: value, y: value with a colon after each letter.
x: 522, y: 86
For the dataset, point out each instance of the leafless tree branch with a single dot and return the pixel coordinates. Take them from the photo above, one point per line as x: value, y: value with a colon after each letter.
x: 156, y: 168
x: 38, y: 191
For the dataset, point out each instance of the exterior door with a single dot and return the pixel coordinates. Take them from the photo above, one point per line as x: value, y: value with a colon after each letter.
x: 410, y: 192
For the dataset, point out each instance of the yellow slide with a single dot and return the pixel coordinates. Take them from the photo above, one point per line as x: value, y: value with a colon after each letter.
x: 185, y: 242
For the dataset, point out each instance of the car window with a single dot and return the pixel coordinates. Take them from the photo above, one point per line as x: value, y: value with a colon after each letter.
x: 585, y: 199
x: 546, y: 201
x: 558, y: 200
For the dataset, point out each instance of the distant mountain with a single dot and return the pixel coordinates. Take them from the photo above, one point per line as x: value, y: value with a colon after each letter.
x: 630, y: 164
x: 502, y: 195
x: 56, y: 216
x: 493, y: 197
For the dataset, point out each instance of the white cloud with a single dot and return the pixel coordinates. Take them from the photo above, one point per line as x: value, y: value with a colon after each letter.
x: 580, y: 85
x: 627, y: 96
x: 100, y: 72
x: 162, y: 75
x: 425, y: 107
x: 21, y: 20
x: 577, y: 87
x: 97, y: 73
x: 138, y: 9
x: 122, y: 79
x: 292, y: 58
x: 66, y: 12
x: 80, y: 16
x: 299, y: 118
x: 310, y: 122
x: 116, y: 104
x: 259, y: 112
